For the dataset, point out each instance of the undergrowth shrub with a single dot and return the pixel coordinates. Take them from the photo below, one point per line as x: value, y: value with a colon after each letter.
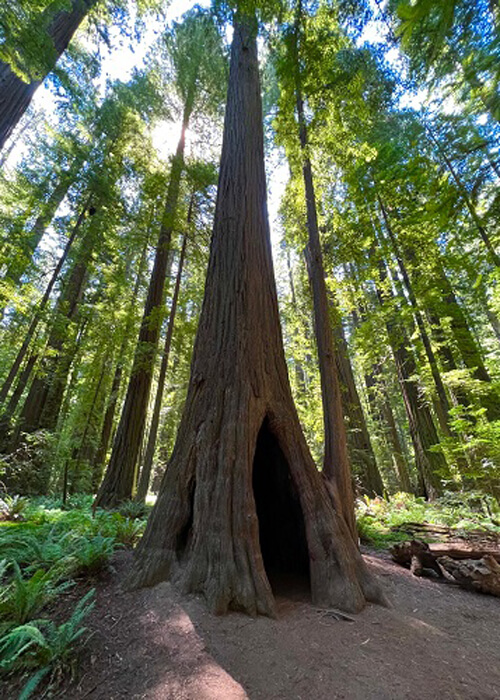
x: 379, y: 518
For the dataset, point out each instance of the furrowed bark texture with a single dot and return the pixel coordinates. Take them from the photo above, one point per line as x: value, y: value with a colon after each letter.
x: 239, y: 439
x: 15, y: 94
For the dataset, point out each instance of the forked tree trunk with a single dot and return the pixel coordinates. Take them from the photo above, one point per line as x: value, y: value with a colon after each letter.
x: 15, y: 94
x: 241, y: 493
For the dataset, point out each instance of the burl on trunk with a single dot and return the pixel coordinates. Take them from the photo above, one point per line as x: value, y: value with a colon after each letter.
x: 241, y: 497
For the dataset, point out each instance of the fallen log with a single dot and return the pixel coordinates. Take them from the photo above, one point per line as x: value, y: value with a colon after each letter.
x: 482, y: 575
x: 403, y: 552
x: 471, y: 568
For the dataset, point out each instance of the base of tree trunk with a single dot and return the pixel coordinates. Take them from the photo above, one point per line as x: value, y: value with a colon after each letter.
x: 264, y: 514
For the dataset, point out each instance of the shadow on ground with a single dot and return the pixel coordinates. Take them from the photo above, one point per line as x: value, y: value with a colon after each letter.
x: 435, y: 642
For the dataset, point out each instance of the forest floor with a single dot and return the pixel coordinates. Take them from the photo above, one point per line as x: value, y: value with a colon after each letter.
x: 436, y: 641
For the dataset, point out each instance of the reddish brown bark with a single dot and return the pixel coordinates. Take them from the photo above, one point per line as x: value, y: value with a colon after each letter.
x: 241, y: 493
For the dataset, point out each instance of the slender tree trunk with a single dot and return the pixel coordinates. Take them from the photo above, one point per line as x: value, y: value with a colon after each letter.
x: 481, y: 229
x: 358, y: 437
x: 336, y: 460
x: 41, y: 307
x: 119, y: 481
x: 142, y: 490
x: 15, y: 94
x: 84, y: 449
x: 431, y: 464
x: 468, y: 348
x: 109, y: 416
x: 241, y: 493
x: 442, y: 403
x: 394, y: 440
x: 33, y: 237
x: 43, y: 403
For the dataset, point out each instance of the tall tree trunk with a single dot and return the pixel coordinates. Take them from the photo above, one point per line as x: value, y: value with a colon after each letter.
x: 442, y: 403
x: 41, y: 307
x: 109, y: 416
x: 241, y: 493
x: 32, y: 238
x: 466, y: 343
x: 358, y: 438
x: 142, y: 490
x: 481, y: 229
x: 120, y: 478
x: 431, y: 464
x: 15, y: 94
x: 43, y: 403
x: 84, y: 450
x: 336, y: 460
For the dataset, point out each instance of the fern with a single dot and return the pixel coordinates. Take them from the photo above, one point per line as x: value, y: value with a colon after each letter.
x: 23, y: 598
x: 91, y: 555
x: 44, y: 646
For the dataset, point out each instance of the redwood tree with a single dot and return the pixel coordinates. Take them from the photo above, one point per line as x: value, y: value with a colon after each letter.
x: 241, y: 495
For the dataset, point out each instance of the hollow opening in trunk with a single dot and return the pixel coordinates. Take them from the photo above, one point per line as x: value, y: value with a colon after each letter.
x: 282, y: 530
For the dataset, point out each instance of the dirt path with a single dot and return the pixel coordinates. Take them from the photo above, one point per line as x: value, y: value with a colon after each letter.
x: 436, y: 642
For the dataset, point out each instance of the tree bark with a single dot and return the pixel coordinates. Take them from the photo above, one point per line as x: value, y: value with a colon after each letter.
x: 442, y: 403
x: 241, y: 492
x: 43, y: 403
x: 15, y: 94
x: 336, y: 465
x: 142, y: 489
x: 109, y: 416
x: 358, y: 438
x: 120, y: 478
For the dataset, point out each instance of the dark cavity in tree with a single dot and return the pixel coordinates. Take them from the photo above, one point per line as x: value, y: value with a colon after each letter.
x: 282, y: 532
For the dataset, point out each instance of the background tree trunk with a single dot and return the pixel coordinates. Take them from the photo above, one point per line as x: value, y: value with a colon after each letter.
x: 142, y: 489
x: 120, y: 478
x: 15, y: 94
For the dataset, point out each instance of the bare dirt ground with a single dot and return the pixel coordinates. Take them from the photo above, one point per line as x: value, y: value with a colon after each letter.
x: 436, y: 641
